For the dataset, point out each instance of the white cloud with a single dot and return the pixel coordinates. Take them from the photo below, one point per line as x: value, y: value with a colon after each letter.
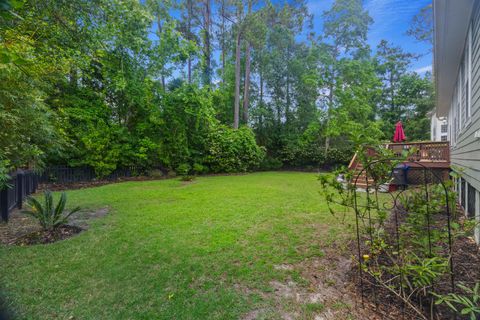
x: 422, y: 70
x: 388, y: 15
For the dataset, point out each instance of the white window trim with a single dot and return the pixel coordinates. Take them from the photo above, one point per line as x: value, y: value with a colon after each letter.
x: 469, y: 75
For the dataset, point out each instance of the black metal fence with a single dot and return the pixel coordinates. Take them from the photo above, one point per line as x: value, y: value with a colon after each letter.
x: 25, y: 182
x: 393, y: 248
x: 21, y: 184
x: 67, y: 175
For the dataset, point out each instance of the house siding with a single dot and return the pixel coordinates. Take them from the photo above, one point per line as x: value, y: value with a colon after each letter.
x: 465, y: 151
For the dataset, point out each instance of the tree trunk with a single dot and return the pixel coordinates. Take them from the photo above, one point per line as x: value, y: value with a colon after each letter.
x: 330, y: 103
x: 189, y: 32
x: 330, y: 98
x: 207, y: 49
x: 246, y: 87
x: 260, y: 75
x: 159, y: 31
x: 223, y: 41
x: 236, y: 107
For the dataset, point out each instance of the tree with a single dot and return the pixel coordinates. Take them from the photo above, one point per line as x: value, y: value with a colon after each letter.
x: 246, y: 87
x: 345, y: 30
x: 392, y: 65
x: 421, y: 27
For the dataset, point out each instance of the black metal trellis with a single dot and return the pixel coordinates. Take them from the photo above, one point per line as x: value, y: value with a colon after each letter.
x: 367, y: 221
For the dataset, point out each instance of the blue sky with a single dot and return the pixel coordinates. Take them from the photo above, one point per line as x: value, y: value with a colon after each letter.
x: 391, y: 21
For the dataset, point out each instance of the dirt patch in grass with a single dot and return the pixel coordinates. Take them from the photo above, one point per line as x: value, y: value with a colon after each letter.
x: 25, y: 230
x: 324, y: 291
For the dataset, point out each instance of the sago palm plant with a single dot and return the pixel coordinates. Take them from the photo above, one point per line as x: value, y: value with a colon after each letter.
x: 49, y: 216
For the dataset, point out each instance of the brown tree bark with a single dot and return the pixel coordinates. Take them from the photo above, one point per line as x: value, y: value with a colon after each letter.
x: 189, y: 27
x: 236, y: 107
x: 223, y: 40
x: 159, y: 31
x: 246, y: 87
x: 207, y: 46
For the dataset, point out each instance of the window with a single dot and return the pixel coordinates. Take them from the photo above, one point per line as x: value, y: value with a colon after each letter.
x: 444, y: 128
x: 443, y: 138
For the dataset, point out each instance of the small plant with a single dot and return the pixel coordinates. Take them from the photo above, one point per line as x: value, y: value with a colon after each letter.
x: 199, y: 168
x: 155, y: 173
x: 49, y: 216
x: 469, y: 302
x: 187, y: 177
x: 183, y: 169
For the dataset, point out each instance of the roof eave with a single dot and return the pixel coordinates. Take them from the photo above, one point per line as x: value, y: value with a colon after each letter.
x: 451, y: 22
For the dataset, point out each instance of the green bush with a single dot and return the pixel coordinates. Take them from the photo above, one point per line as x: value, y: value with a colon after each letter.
x: 199, y: 168
x: 155, y: 173
x: 183, y: 169
x: 233, y: 150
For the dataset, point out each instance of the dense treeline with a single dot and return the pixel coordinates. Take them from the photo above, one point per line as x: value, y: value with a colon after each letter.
x: 197, y: 85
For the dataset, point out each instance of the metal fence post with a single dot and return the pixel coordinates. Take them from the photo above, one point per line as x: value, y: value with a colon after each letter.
x: 4, y: 204
x: 20, y: 189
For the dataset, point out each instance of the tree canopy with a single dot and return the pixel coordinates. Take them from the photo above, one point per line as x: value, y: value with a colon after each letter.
x: 212, y: 85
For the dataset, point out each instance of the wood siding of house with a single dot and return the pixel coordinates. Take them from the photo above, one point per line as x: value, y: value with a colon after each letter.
x: 463, y: 122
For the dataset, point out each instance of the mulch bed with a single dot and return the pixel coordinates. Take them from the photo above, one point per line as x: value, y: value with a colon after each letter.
x: 44, y: 237
x: 93, y: 183
x: 24, y: 230
x: 466, y: 264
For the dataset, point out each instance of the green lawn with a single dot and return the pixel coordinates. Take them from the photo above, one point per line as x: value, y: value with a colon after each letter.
x: 173, y: 250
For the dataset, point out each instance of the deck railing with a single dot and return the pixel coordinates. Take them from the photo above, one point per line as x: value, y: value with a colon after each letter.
x: 429, y: 151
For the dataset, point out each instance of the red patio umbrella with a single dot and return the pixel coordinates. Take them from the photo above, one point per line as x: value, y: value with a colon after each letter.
x: 399, y: 135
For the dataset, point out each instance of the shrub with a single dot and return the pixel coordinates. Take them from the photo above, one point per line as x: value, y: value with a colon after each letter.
x: 233, y: 150
x: 155, y: 173
x: 199, y: 168
x: 183, y: 169
x: 49, y: 216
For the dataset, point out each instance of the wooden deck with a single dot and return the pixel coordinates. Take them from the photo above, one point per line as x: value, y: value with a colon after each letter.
x: 430, y: 154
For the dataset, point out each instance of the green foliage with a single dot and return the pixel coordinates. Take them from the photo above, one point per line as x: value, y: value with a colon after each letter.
x: 233, y: 150
x: 48, y: 215
x: 270, y: 163
x: 183, y: 169
x: 199, y: 168
x: 401, y: 255
x: 466, y: 303
x: 4, y: 176
x: 111, y: 84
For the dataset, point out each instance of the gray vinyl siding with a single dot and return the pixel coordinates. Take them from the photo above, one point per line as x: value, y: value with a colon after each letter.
x: 465, y: 152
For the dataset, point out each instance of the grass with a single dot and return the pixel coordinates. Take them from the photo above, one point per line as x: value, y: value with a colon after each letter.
x: 168, y: 249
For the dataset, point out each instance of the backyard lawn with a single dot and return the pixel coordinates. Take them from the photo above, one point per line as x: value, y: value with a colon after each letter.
x: 255, y: 246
